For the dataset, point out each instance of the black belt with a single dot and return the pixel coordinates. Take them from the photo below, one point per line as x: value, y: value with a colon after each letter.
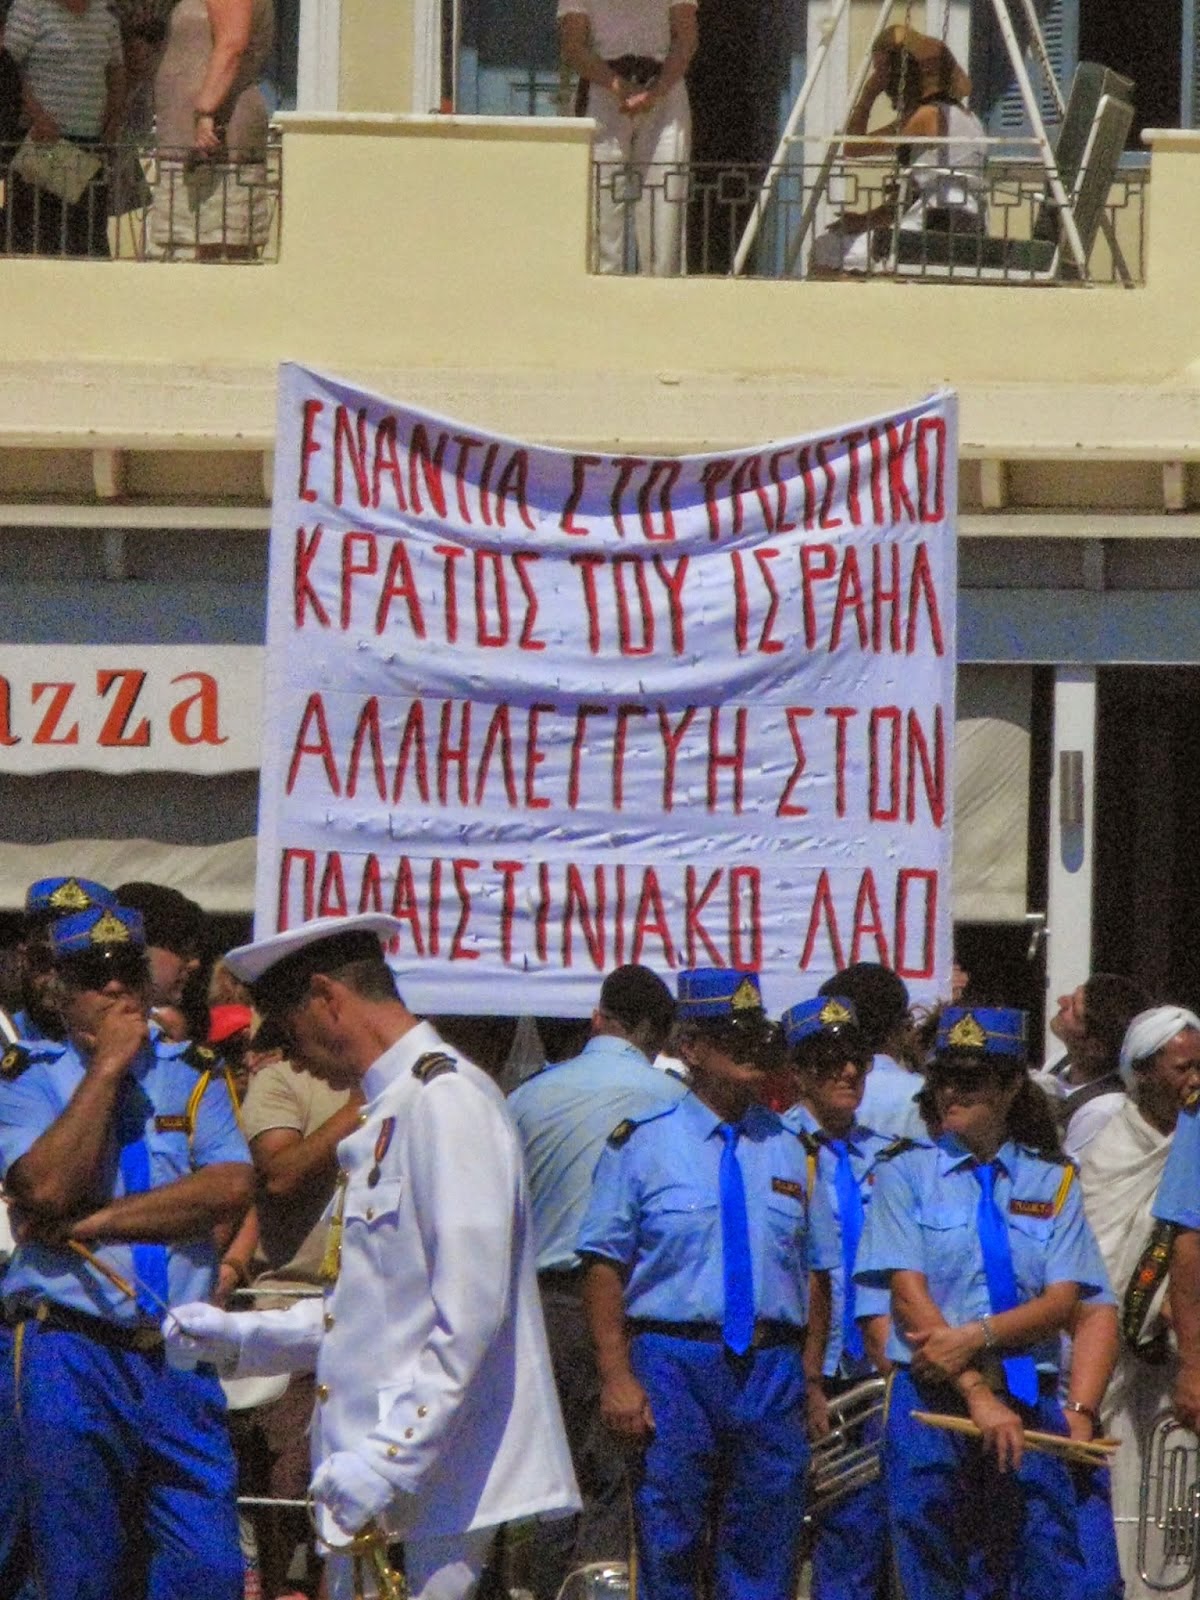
x: 141, y: 1336
x: 641, y: 71
x: 767, y: 1331
x: 992, y: 1375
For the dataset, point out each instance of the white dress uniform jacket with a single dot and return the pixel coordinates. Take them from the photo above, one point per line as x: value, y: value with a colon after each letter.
x: 429, y: 1349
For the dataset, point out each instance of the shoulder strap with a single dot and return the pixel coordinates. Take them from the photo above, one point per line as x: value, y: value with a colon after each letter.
x: 1078, y: 1098
x: 1153, y: 1265
x: 1064, y: 1189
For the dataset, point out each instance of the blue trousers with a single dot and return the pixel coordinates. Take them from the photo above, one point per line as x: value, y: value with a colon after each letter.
x: 16, y: 1573
x: 728, y: 1459
x: 850, y: 1546
x: 963, y: 1530
x: 133, y: 1487
x: 1097, y: 1533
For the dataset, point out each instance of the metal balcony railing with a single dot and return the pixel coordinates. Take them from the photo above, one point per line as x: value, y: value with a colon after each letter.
x: 691, y: 218
x: 147, y: 203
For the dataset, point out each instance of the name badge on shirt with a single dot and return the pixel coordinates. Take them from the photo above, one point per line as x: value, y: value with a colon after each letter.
x: 1032, y: 1208
x: 788, y: 1186
x: 171, y: 1124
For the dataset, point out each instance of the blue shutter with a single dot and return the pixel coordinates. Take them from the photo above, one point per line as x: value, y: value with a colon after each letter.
x: 995, y: 96
x: 1189, y: 86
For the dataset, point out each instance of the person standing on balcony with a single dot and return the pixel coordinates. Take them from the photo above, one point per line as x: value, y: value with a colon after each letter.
x: 68, y: 54
x: 631, y: 57
x: 210, y: 202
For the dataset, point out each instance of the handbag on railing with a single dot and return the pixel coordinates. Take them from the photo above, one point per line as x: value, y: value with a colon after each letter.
x: 61, y: 168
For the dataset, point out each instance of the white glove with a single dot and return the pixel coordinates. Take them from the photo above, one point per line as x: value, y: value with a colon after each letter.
x: 352, y: 1491
x: 201, y: 1332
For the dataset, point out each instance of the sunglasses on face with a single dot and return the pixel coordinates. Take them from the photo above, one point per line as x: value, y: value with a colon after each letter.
x: 965, y: 1080
x: 755, y: 1040
x: 95, y: 969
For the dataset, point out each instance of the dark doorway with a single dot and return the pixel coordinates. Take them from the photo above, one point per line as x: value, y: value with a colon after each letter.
x: 1147, y: 840
x: 736, y: 84
x: 1144, y: 45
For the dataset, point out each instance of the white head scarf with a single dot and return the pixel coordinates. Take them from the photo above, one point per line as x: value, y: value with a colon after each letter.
x: 1148, y: 1032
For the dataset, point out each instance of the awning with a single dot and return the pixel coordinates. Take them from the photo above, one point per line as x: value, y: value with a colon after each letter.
x: 991, y: 793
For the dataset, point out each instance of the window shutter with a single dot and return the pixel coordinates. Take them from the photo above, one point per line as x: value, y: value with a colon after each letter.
x: 996, y: 97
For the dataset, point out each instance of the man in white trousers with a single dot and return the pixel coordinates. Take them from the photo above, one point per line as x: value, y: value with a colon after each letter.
x: 631, y: 57
x: 437, y: 1417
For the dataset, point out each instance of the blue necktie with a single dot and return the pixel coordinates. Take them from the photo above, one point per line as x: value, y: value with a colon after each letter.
x: 850, y: 1213
x: 738, y: 1326
x: 149, y: 1260
x: 1020, y: 1372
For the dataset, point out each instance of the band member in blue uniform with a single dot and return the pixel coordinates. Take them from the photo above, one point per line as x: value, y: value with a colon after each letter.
x: 831, y: 1061
x: 983, y: 1242
x: 700, y: 1238
x: 121, y: 1157
x: 47, y: 901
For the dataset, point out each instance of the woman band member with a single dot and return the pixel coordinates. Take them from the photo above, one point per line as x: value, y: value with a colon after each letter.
x: 982, y: 1239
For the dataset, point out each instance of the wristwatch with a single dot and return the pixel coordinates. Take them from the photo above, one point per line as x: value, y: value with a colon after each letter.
x: 1089, y: 1412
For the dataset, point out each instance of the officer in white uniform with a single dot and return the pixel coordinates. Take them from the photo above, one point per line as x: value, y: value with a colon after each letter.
x: 437, y: 1417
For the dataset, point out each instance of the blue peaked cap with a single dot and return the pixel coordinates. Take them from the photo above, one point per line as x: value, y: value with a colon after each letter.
x: 51, y: 898
x: 989, y: 1030
x: 101, y: 928
x: 713, y: 993
x: 826, y: 1015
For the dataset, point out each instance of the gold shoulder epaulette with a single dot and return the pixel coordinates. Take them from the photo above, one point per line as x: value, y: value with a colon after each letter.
x: 896, y: 1148
x: 14, y: 1061
x: 199, y: 1057
x: 431, y: 1065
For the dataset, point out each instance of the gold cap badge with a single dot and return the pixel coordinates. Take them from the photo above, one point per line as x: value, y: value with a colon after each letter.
x: 833, y: 1014
x: 745, y: 997
x: 966, y: 1034
x: 109, y: 930
x: 70, y: 897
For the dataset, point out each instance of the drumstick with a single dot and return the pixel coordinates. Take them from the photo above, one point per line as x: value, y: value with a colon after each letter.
x: 1097, y: 1452
x: 122, y: 1285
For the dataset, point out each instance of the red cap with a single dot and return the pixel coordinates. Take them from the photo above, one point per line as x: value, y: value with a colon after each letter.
x: 225, y: 1021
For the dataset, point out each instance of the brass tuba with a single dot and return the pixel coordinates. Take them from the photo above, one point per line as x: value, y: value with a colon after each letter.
x: 845, y: 1460
x: 1168, y: 1546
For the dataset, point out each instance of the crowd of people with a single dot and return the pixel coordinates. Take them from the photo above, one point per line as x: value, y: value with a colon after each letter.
x: 289, y: 1242
x: 87, y: 85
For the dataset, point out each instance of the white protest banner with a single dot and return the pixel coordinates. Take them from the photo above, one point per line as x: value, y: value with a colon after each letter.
x: 562, y: 711
x: 130, y: 708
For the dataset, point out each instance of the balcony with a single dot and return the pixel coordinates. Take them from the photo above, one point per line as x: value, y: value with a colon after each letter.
x: 740, y: 220
x: 139, y: 202
x: 446, y: 260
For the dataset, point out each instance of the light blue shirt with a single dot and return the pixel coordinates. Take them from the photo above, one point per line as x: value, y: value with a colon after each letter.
x: 655, y: 1212
x: 564, y: 1115
x: 863, y: 1146
x: 26, y: 1027
x: 888, y: 1102
x: 923, y: 1219
x: 163, y: 1084
x: 1178, y: 1197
